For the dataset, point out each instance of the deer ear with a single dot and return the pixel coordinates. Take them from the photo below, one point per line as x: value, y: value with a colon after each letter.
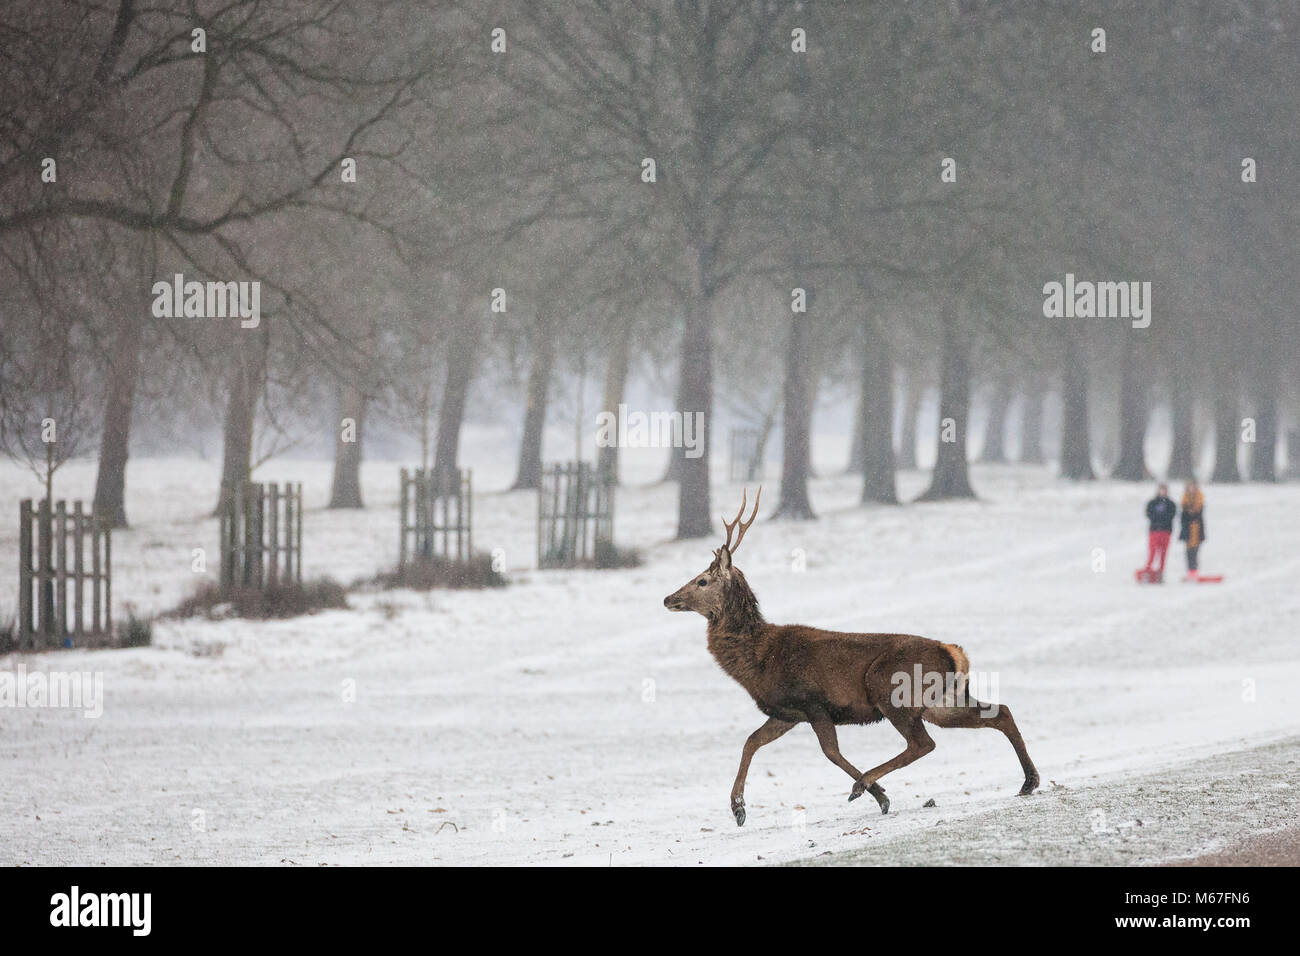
x: 724, y: 559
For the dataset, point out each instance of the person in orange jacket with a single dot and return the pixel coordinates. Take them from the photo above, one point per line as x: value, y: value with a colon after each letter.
x: 1192, y: 530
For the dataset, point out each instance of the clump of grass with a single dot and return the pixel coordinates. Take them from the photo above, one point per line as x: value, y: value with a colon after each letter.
x: 427, y: 574
x: 390, y: 609
x: 133, y: 632
x: 608, y: 556
x: 136, y: 632
x: 277, y: 601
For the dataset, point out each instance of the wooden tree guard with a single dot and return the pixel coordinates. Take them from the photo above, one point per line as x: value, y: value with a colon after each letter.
x: 44, y: 574
x: 743, y: 463
x: 436, y: 516
x: 575, y: 514
x: 261, y: 535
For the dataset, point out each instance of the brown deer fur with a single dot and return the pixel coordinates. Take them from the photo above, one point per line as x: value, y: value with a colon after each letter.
x: 799, y: 674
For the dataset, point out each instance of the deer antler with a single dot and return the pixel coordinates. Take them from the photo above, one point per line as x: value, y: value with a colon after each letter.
x: 744, y: 526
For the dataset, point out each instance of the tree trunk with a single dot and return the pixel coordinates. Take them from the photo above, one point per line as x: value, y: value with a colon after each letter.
x: 695, y: 394
x: 115, y: 440
x: 1226, y: 423
x: 1031, y: 426
x: 246, y: 378
x: 913, y: 392
x: 796, y: 424
x: 1182, y: 459
x: 615, y: 386
x: 768, y: 425
x: 1076, y: 440
x: 858, y: 443
x: 345, y: 491
x: 1132, y: 417
x: 951, y: 477
x: 995, y: 449
x: 1263, y: 453
x: 677, y: 455
x: 877, y: 418
x: 451, y: 413
x: 426, y: 399
x: 539, y: 385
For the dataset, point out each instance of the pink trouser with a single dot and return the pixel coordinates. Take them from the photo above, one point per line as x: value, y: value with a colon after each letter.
x: 1157, y: 546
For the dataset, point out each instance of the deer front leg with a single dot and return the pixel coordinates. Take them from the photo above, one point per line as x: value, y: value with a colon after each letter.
x: 919, y: 744
x: 771, y: 730
x: 824, y: 728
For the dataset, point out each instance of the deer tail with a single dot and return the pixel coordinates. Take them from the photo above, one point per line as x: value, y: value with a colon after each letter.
x: 960, y: 666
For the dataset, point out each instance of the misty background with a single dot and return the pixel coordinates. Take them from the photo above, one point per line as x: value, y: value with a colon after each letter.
x: 639, y: 187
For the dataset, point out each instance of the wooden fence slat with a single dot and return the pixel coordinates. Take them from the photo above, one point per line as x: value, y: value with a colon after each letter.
x: 575, y: 513
x: 96, y: 579
x: 462, y: 527
x: 421, y: 534
x: 541, y: 519
x: 250, y: 540
x: 403, y: 502
x: 232, y: 541
x: 236, y: 511
x: 298, y: 545
x: 259, y: 535
x: 223, y: 541
x: 44, y: 583
x: 26, y: 623
x: 61, y: 570
x: 557, y: 503
x: 273, y: 534
x: 290, y: 558
x: 435, y: 516
x: 52, y: 582
x: 108, y: 580
x: 445, y: 498
x: 78, y: 566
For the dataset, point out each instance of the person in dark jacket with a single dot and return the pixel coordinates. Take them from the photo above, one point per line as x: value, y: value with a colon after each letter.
x: 1192, y: 530
x: 1160, y: 525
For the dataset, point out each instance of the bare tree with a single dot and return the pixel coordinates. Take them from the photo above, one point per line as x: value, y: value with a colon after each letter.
x: 46, y: 397
x: 194, y: 126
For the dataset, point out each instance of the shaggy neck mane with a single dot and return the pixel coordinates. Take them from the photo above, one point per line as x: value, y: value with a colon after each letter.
x: 734, y: 631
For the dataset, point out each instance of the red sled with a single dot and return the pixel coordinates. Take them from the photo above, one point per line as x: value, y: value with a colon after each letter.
x: 1198, y: 578
x: 1150, y: 576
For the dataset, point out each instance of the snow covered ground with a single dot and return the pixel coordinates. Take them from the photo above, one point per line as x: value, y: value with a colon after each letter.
x: 571, y: 719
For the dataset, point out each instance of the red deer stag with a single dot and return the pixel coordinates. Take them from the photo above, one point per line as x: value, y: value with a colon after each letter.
x: 797, y: 674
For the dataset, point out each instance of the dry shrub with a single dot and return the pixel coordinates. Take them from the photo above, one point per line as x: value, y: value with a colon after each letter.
x: 607, y: 556
x: 427, y: 574
x: 276, y: 601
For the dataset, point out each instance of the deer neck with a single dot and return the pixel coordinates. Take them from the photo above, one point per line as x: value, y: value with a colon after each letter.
x: 734, y: 636
x: 736, y: 653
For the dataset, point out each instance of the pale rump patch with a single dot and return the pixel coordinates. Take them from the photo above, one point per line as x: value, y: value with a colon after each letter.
x: 961, y: 664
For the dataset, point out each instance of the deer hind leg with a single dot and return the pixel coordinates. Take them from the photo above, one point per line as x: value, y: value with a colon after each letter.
x: 919, y: 743
x: 769, y: 732
x: 975, y: 714
x: 824, y: 728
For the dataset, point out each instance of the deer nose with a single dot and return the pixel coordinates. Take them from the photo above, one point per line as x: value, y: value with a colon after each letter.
x: 667, y: 599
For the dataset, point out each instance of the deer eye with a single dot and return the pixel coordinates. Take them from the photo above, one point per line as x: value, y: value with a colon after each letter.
x: 702, y: 582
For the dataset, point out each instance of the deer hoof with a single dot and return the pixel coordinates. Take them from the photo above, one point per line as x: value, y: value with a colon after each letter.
x: 884, y: 805
x: 857, y: 791
x: 1030, y: 786
x: 738, y: 810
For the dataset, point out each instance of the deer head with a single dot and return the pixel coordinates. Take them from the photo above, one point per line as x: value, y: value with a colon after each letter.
x: 705, y: 593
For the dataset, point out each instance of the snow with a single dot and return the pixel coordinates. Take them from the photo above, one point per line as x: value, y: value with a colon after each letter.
x: 571, y: 719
